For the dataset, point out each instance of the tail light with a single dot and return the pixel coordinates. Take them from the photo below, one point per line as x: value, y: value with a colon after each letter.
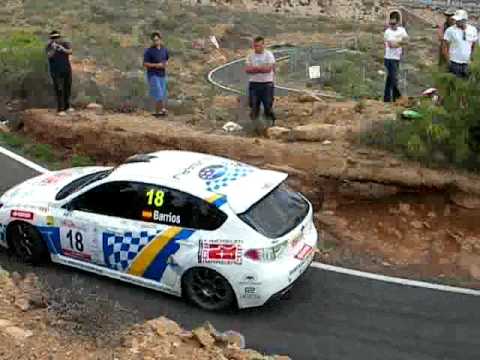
x: 266, y: 254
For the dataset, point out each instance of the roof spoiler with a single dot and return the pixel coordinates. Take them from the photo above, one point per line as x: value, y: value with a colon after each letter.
x: 139, y: 158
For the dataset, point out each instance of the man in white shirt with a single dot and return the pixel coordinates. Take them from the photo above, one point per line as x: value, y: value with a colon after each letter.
x: 460, y: 41
x: 260, y: 65
x: 395, y: 36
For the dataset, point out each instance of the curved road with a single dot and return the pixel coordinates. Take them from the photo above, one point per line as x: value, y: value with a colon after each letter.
x: 327, y: 315
x: 232, y: 77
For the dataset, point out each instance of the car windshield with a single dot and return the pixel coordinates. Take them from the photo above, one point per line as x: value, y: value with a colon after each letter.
x: 78, y: 184
x: 277, y: 213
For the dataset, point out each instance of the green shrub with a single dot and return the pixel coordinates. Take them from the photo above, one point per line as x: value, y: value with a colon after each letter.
x: 446, y: 134
x: 81, y: 160
x: 22, y: 56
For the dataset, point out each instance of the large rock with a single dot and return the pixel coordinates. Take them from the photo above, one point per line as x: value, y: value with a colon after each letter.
x: 318, y: 132
x: 465, y: 200
x: 203, y: 336
x: 163, y: 326
x: 278, y: 133
x: 367, y: 190
x: 18, y: 334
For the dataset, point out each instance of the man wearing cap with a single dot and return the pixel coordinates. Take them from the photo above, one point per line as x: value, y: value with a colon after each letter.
x: 442, y: 60
x: 58, y: 53
x: 155, y: 61
x: 395, y: 36
x: 459, y: 47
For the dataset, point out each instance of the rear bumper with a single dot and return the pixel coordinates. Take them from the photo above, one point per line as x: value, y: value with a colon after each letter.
x: 282, y: 293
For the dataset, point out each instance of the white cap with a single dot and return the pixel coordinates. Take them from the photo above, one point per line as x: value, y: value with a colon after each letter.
x: 460, y: 15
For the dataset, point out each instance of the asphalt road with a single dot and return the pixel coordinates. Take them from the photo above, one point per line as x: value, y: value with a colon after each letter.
x: 327, y: 315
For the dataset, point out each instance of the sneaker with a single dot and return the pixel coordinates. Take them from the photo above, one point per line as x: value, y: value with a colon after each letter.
x: 70, y: 109
x: 62, y: 113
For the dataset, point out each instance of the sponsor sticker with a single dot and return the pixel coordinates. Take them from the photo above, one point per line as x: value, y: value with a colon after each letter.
x: 53, y: 179
x: 220, y: 252
x: 250, y: 279
x: 250, y: 292
x: 304, y: 252
x: 212, y: 172
x: 77, y: 255
x: 189, y: 169
x: 19, y: 214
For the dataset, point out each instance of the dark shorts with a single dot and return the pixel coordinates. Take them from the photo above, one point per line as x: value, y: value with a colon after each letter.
x: 459, y: 70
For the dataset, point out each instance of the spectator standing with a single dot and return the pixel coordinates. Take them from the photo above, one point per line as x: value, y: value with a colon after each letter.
x: 442, y: 28
x: 155, y: 61
x: 459, y: 46
x: 58, y: 53
x: 395, y: 36
x: 260, y: 66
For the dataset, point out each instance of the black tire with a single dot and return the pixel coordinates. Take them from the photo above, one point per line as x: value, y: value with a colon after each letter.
x: 208, y: 289
x: 27, y: 243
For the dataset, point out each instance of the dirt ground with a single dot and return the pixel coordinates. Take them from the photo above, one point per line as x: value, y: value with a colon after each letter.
x: 33, y: 326
x: 376, y: 212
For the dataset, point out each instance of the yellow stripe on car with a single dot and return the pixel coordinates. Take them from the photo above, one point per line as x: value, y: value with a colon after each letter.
x: 150, y: 252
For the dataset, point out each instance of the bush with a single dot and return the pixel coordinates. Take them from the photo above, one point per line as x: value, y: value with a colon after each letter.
x: 22, y: 57
x: 446, y: 134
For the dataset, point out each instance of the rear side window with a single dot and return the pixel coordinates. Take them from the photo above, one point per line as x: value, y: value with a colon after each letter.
x: 277, y: 213
x: 80, y: 183
x: 150, y: 203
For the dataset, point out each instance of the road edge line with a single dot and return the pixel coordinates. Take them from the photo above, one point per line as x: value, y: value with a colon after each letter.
x: 23, y: 160
x: 395, y: 280
x: 316, y: 265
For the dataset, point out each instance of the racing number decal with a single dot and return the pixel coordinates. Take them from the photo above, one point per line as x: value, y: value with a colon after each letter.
x: 155, y: 197
x: 78, y: 242
x: 76, y: 239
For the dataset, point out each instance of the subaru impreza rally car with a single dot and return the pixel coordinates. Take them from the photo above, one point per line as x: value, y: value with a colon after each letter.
x: 216, y: 231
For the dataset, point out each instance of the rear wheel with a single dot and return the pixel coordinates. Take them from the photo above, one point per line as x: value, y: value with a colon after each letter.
x: 208, y: 289
x: 27, y: 243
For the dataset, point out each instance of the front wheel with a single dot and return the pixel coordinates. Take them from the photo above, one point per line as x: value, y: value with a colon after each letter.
x: 208, y: 289
x: 27, y: 243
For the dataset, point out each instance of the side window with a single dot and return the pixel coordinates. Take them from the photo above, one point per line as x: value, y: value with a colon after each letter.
x: 176, y: 208
x: 119, y: 199
x: 150, y: 203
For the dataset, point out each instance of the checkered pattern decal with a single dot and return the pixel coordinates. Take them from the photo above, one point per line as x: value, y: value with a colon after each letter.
x: 3, y: 230
x: 120, y: 251
x: 217, y: 177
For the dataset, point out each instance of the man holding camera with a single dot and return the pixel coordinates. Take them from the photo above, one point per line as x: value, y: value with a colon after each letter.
x: 58, y: 52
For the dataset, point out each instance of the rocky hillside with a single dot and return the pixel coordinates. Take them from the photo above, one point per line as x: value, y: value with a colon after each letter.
x: 32, y: 327
x: 365, y: 10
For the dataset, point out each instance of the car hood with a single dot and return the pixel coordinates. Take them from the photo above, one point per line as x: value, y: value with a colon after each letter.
x: 43, y: 188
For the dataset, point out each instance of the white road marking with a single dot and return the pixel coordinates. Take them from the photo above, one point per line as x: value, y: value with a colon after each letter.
x: 316, y: 265
x: 23, y: 161
x: 395, y: 280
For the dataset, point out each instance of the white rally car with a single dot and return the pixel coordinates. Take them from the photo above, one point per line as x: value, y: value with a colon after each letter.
x: 217, y: 231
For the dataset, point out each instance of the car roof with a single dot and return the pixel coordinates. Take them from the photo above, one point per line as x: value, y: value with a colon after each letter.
x: 201, y: 175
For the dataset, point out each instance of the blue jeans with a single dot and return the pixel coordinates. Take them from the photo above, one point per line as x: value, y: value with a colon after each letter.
x: 392, y: 92
x: 158, y: 87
